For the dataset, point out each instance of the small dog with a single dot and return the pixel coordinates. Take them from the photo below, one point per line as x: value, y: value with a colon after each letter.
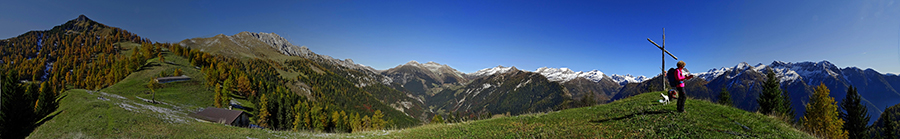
x: 666, y: 98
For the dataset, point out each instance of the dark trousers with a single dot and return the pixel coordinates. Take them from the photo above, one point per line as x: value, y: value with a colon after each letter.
x: 681, y: 98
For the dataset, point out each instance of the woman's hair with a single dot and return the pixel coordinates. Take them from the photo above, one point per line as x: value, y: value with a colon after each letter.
x: 680, y: 64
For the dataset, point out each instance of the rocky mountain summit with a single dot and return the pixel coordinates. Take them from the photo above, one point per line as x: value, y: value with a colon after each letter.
x: 245, y: 43
x: 279, y: 43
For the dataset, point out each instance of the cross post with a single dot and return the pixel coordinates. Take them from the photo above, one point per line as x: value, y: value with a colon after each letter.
x: 664, y: 52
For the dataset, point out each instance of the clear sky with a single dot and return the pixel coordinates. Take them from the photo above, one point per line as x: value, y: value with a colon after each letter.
x: 609, y: 36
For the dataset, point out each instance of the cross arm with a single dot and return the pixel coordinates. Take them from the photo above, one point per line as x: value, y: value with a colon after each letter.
x: 660, y: 48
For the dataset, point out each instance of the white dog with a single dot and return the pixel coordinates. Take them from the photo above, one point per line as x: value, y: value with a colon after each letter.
x: 665, y: 98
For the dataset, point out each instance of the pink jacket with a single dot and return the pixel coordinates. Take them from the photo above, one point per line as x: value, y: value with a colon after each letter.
x: 680, y: 76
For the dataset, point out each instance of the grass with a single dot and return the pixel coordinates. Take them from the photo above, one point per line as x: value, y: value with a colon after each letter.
x: 121, y: 110
x: 83, y: 114
x: 640, y: 116
x: 193, y: 93
x: 88, y: 114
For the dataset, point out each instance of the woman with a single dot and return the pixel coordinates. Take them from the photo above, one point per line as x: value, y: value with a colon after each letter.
x: 680, y: 87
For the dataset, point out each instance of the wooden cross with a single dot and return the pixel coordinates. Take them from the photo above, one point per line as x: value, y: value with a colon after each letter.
x: 664, y: 52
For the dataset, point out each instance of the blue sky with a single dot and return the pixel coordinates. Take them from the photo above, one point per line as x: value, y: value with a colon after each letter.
x: 609, y: 36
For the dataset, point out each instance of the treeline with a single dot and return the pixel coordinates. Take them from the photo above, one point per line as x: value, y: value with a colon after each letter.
x: 38, y: 66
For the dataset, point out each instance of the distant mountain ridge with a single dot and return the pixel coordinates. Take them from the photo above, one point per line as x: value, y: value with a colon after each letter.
x: 513, y: 91
x: 423, y: 79
x: 744, y: 83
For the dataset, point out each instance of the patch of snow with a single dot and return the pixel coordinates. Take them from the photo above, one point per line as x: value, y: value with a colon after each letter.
x: 759, y: 67
x: 520, y: 84
x: 485, y: 86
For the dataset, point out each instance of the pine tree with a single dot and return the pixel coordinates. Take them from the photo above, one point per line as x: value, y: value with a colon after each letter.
x: 771, y: 98
x: 45, y: 100
x: 226, y: 91
x: 218, y: 97
x: 336, y: 120
x: 366, y: 123
x: 297, y: 115
x: 324, y: 120
x: 787, y: 109
x: 855, y: 116
x: 345, y: 122
x: 153, y: 85
x: 161, y: 58
x: 890, y: 127
x: 243, y: 84
x: 822, y: 115
x: 355, y: 123
x: 725, y: 97
x: 437, y: 119
x: 377, y: 120
x: 314, y: 112
x: 588, y: 99
x: 178, y: 72
x: 263, y: 111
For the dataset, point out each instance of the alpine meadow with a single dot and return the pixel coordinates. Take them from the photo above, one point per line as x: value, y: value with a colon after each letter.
x: 450, y: 69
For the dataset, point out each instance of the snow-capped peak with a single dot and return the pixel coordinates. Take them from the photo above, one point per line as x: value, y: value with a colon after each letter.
x: 412, y: 63
x: 566, y: 74
x: 785, y: 71
x: 712, y: 73
x: 491, y: 71
x: 788, y: 71
x: 742, y: 66
x: 627, y: 78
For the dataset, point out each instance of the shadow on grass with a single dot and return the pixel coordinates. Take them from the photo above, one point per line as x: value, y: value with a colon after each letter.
x: 20, y: 127
x: 632, y: 115
x: 148, y: 66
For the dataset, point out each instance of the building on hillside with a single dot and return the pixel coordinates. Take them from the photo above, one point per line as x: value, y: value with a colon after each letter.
x: 173, y: 79
x: 224, y: 116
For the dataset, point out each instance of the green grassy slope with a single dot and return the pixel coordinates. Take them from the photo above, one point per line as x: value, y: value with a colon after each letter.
x: 640, y: 116
x: 121, y: 110
x: 191, y: 93
x: 83, y: 114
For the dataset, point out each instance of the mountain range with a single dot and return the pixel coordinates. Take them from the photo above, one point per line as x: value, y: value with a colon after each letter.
x: 799, y: 78
x: 431, y: 84
x: 426, y: 81
x: 422, y: 90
